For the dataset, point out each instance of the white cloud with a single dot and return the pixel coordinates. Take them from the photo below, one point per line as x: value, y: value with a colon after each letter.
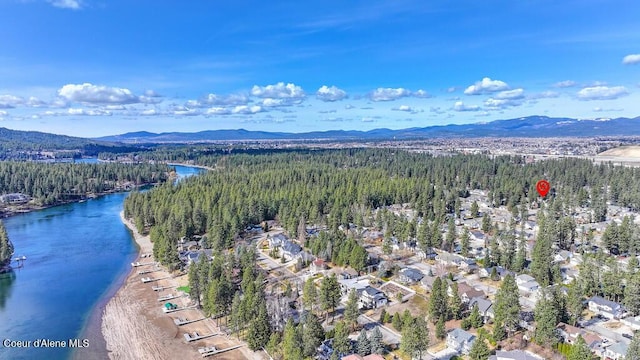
x: 421, y: 94
x: 368, y: 119
x: 278, y: 91
x: 602, y: 93
x: 388, y: 94
x: 269, y: 102
x: 485, y: 86
x: 599, y: 109
x: 565, y: 84
x: 183, y: 111
x: 349, y: 107
x: 149, y: 112
x: 460, y: 106
x: 631, y: 59
x: 66, y: 4
x: 511, y: 94
x: 97, y: 94
x: 495, y: 104
x: 544, y: 95
x: 244, y: 109
x: 436, y: 109
x: 88, y: 112
x: 333, y: 93
x: 10, y: 101
x: 407, y: 108
x: 219, y: 100
x: 218, y: 110
x: 3, y: 113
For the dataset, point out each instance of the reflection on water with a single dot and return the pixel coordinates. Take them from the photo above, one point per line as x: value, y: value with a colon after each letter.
x: 6, y: 282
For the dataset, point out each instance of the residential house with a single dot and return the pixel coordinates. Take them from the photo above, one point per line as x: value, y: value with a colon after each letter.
x: 607, y: 308
x: 467, y: 292
x: 277, y: 241
x: 616, y: 351
x: 500, y: 271
x: 359, y: 357
x: 476, y: 235
x: 527, y: 283
x: 372, y: 298
x: 449, y: 259
x: 485, y: 307
x: 563, y: 256
x: 410, y: 275
x: 291, y: 250
x: 317, y: 266
x: 349, y: 274
x: 460, y: 340
x: 632, y: 322
x: 427, y: 282
x: 515, y: 355
x: 569, y: 334
x: 468, y: 265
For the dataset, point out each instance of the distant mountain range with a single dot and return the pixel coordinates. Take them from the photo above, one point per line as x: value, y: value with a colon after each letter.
x: 532, y: 126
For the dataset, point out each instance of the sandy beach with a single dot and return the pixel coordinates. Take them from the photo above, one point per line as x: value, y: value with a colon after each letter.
x: 135, y: 327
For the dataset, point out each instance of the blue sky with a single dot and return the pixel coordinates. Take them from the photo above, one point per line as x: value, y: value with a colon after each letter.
x: 98, y: 67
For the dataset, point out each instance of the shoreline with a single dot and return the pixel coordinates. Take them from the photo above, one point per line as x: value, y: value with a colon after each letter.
x: 134, y: 326
x: 7, y: 213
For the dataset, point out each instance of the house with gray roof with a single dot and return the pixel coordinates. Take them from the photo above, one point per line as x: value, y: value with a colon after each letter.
x: 485, y: 307
x: 607, y: 308
x: 460, y: 340
x: 515, y: 355
x: 410, y: 275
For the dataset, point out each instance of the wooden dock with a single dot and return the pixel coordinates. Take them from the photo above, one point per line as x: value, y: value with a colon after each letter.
x: 142, y: 272
x: 167, y: 311
x: 148, y: 279
x: 212, y: 350
x: 137, y: 263
x: 184, y: 321
x: 196, y: 336
x: 168, y: 297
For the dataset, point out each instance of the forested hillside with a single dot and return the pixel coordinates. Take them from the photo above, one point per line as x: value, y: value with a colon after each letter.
x: 336, y: 187
x: 49, y: 184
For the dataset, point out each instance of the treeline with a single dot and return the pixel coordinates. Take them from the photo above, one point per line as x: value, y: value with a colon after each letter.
x: 51, y: 183
x: 338, y: 187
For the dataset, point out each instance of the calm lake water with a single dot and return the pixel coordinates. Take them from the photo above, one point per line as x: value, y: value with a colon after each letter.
x: 77, y: 256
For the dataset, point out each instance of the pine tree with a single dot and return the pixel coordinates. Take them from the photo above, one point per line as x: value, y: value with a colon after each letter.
x: 259, y: 330
x: 291, y: 342
x: 449, y: 243
x: 383, y: 315
x: 474, y: 209
x: 546, y: 316
x: 396, y: 321
x: 486, y: 223
x: 632, y: 294
x: 415, y: 338
x: 438, y: 300
x: 507, y: 308
x: 312, y: 334
x: 341, y: 342
x: 377, y: 347
x: 6, y: 247
x: 441, y: 331
x: 542, y: 255
x: 351, y: 311
x: 363, y: 344
x: 464, y: 243
x: 309, y: 294
x: 479, y: 349
x: 455, y: 303
x: 475, y: 319
x: 329, y: 293
x: 574, y: 304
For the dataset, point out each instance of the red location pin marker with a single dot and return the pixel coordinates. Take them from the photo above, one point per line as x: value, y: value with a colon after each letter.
x: 543, y: 187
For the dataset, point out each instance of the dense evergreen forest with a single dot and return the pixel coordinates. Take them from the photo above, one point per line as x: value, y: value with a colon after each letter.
x: 52, y: 183
x: 6, y: 247
x: 338, y: 187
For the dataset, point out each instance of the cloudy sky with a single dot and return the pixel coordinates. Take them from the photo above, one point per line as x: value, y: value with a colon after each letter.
x: 98, y: 67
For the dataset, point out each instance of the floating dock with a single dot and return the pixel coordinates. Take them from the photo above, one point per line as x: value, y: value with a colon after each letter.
x: 212, y: 350
x: 142, y: 272
x: 138, y: 263
x: 167, y: 311
x: 184, y: 321
x: 168, y: 297
x: 196, y: 336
